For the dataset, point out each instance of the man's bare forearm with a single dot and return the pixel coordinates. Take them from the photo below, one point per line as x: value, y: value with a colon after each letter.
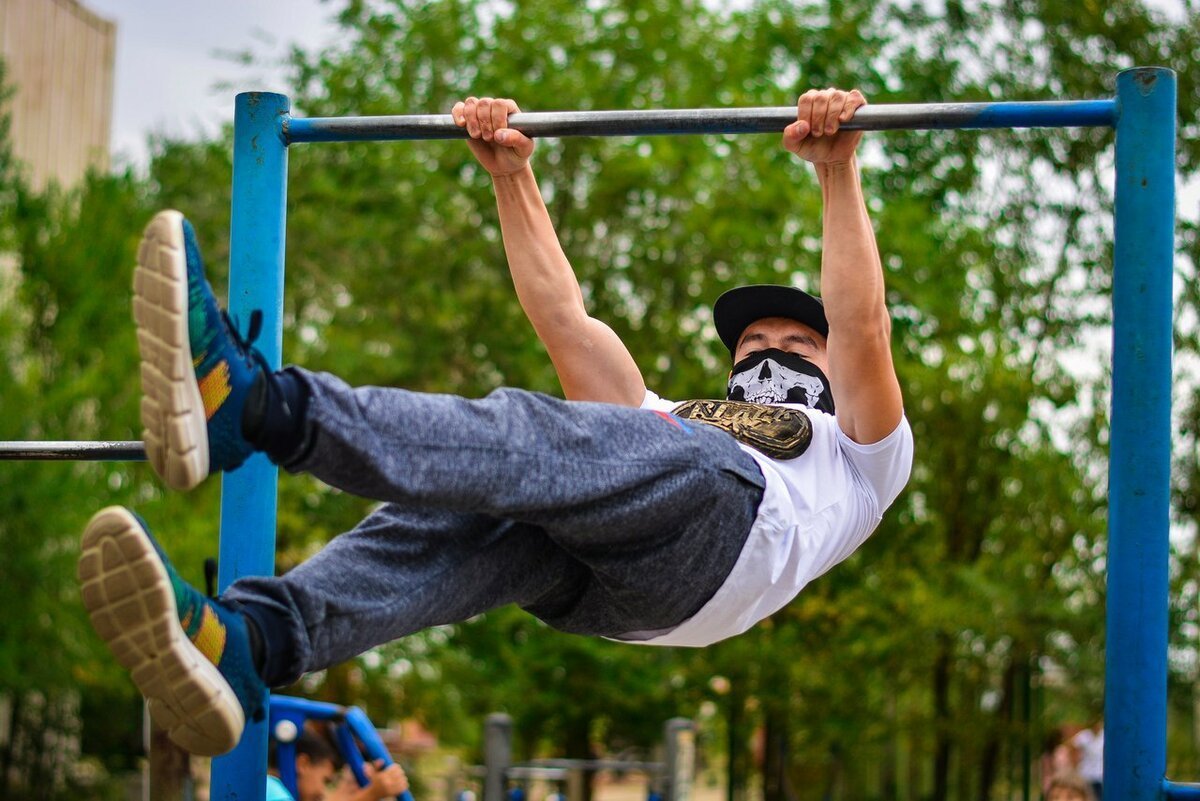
x: 859, y: 346
x: 591, y: 361
x: 545, y: 282
x: 851, y: 270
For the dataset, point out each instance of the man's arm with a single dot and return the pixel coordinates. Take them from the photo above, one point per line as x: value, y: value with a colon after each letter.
x: 865, y: 388
x: 591, y: 360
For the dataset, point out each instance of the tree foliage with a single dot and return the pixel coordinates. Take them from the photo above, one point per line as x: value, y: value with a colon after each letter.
x: 903, y: 672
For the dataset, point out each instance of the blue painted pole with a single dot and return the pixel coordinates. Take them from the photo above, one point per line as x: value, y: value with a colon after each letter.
x: 1135, y: 696
x: 248, y: 495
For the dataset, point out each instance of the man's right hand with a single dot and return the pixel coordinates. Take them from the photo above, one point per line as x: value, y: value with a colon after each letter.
x: 500, y: 150
x: 815, y: 136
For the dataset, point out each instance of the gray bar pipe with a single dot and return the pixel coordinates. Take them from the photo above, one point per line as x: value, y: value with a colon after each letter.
x: 918, y: 116
x: 73, y: 451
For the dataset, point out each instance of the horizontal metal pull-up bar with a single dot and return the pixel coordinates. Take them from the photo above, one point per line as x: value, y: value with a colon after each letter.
x: 766, y: 119
x: 82, y: 450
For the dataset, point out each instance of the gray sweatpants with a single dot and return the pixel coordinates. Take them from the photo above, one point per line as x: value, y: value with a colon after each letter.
x: 598, y: 519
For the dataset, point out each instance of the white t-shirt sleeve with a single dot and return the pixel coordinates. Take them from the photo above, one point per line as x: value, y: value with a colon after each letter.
x: 883, y: 466
x: 656, y: 404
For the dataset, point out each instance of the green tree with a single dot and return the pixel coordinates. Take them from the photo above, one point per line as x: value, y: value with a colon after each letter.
x: 896, y: 675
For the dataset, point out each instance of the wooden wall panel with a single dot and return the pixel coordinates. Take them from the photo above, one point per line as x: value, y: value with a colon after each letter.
x: 60, y: 59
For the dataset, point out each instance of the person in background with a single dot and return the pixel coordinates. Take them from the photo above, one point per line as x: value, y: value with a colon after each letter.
x: 319, y: 779
x: 1070, y: 787
x: 1089, y: 744
x: 316, y: 769
x: 1057, y: 758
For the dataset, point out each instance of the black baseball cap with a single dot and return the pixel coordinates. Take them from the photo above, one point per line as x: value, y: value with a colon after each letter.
x: 742, y: 305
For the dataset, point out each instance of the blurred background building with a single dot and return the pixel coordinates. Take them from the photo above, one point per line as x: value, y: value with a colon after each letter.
x: 60, y: 58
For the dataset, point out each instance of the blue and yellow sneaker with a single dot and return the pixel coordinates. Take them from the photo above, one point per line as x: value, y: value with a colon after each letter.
x: 196, y: 369
x: 189, y: 655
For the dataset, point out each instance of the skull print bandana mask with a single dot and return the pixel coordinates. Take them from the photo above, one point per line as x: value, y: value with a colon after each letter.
x: 776, y: 376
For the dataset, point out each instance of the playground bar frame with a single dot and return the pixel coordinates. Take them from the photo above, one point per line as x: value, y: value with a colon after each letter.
x: 1144, y: 117
x: 1143, y: 114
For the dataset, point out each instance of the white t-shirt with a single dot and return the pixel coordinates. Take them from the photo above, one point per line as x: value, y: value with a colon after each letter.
x: 817, y: 509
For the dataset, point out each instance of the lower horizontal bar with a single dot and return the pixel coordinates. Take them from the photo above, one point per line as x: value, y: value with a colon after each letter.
x: 1173, y: 791
x: 535, y: 773
x: 772, y: 119
x: 80, y: 451
x: 589, y: 764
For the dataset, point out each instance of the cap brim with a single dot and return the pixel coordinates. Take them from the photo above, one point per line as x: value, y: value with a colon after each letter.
x: 741, y: 306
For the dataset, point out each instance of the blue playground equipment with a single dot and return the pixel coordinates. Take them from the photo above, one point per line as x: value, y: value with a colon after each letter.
x: 1142, y: 114
x: 356, y: 737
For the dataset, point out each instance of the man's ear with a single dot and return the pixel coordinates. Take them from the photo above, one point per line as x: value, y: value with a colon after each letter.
x: 302, y: 762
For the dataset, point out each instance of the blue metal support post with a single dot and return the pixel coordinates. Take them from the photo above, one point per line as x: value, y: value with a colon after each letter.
x: 248, y: 496
x: 1135, y: 695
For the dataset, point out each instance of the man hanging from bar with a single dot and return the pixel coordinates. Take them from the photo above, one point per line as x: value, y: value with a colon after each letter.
x: 614, y: 513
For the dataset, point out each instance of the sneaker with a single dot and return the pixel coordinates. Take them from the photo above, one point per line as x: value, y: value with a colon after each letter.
x: 189, y: 655
x: 196, y: 369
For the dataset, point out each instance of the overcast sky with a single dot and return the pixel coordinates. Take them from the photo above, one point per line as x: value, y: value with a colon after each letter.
x: 168, y: 62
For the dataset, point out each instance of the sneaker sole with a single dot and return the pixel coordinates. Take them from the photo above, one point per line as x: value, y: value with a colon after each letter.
x: 129, y: 599
x: 174, y: 426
